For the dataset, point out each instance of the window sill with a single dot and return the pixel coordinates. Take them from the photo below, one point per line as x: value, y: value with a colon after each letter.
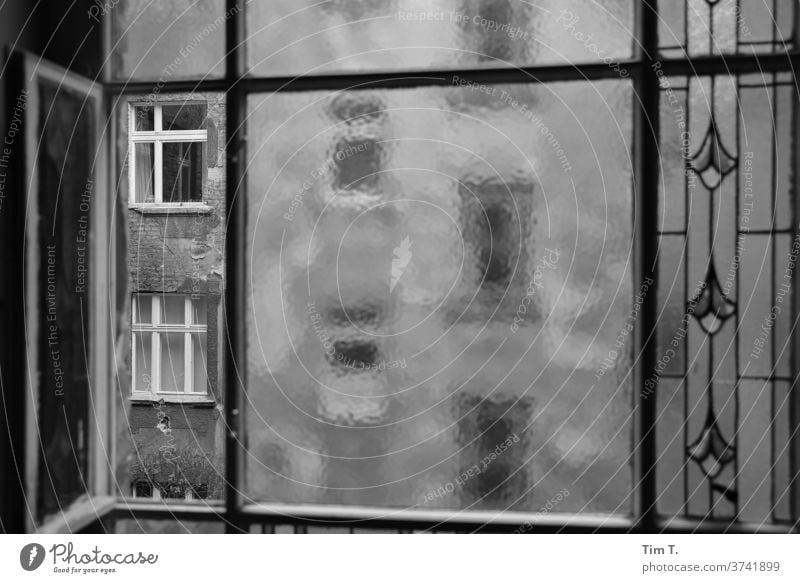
x: 168, y: 209
x: 186, y: 399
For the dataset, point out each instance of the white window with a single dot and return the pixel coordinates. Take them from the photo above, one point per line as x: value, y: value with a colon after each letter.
x: 167, y: 154
x: 169, y: 346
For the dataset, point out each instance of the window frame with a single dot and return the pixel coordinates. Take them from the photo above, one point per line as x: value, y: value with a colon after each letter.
x: 644, y: 67
x: 158, y: 137
x: 157, y: 329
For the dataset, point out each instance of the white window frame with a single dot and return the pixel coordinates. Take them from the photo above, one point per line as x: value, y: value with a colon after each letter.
x: 189, y: 496
x: 156, y: 329
x: 158, y: 137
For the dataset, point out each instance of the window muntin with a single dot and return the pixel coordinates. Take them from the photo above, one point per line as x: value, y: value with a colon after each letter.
x: 169, y: 345
x: 167, y: 154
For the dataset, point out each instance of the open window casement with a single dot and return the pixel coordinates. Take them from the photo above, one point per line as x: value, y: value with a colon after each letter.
x: 69, y: 290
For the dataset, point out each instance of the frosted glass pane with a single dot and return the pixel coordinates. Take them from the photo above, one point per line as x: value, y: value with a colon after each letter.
x: 433, y: 283
x: 291, y: 37
x: 167, y: 40
x: 173, y: 365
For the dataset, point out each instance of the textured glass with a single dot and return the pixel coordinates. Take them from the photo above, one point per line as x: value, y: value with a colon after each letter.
x: 144, y: 352
x: 173, y: 364
x: 64, y: 139
x: 144, y: 116
x: 173, y: 309
x: 439, y: 296
x: 740, y: 261
x: 291, y: 37
x: 164, y: 41
x: 701, y: 27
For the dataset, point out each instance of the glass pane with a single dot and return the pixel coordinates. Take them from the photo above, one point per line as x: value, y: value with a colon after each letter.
x: 145, y: 177
x: 173, y: 309
x: 436, y: 283
x: 183, y: 171
x: 170, y: 526
x: 142, y: 309
x: 183, y: 117
x: 725, y: 26
x: 144, y: 118
x: 176, y: 436
x: 166, y: 40
x: 291, y: 37
x: 173, y: 362
x: 143, y: 379
x: 199, y: 315
x: 199, y: 364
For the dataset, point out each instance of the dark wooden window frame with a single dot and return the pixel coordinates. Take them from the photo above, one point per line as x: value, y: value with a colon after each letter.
x: 644, y: 69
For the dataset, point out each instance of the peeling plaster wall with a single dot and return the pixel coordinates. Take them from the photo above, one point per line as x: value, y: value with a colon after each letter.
x: 173, y: 253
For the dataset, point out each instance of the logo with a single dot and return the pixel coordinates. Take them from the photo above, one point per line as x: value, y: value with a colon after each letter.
x: 402, y: 255
x: 31, y: 556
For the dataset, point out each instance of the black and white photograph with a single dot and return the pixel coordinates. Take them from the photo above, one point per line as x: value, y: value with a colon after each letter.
x: 400, y: 267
